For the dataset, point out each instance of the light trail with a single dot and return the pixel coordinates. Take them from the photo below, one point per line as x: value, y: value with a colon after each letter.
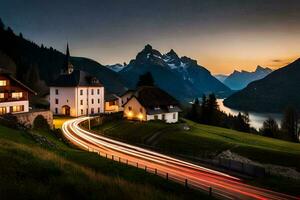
x: 226, y: 186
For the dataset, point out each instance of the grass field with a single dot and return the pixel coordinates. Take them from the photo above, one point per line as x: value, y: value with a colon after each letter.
x: 203, y: 140
x: 207, y: 141
x: 31, y: 169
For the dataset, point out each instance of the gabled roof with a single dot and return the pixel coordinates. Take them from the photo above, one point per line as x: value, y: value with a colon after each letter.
x: 76, y: 78
x: 152, y: 98
x: 11, y: 77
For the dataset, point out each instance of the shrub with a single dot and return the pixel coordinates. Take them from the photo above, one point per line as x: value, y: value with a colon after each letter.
x: 40, y: 123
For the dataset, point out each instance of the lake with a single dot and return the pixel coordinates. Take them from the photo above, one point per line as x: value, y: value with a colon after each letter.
x: 256, y: 119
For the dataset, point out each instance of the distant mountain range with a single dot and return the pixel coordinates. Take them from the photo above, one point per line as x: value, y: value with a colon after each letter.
x: 274, y: 93
x: 221, y: 77
x: 182, y: 77
x: 240, y: 79
x: 116, y: 68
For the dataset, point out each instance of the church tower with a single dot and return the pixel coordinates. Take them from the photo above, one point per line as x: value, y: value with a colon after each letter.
x: 68, y: 67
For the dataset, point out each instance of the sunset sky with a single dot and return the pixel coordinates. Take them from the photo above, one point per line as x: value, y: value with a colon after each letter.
x: 222, y: 35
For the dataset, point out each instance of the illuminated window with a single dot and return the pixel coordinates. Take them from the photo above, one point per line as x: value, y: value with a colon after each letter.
x: 17, y: 95
x: 2, y: 110
x: 17, y: 108
x: 3, y: 82
x: 1, y: 95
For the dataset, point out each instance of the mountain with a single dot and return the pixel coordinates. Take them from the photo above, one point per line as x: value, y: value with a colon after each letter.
x: 221, y: 77
x: 182, y: 77
x: 38, y: 66
x: 116, y: 67
x: 239, y: 80
x: 271, y: 94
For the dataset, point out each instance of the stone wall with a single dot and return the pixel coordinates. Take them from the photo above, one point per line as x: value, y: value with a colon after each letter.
x: 29, y: 117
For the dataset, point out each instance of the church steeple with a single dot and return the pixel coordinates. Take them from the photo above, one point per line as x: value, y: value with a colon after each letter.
x: 68, y: 67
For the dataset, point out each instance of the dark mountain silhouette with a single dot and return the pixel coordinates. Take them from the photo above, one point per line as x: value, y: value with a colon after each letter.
x: 239, y: 80
x: 26, y: 59
x: 181, y: 77
x: 273, y: 93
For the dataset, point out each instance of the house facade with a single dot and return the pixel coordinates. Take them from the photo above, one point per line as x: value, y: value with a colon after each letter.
x: 151, y: 103
x: 14, y: 95
x: 76, y: 93
x: 113, y: 103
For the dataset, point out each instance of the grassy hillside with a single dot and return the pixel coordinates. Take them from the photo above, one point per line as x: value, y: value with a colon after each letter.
x: 38, y: 165
x: 203, y: 141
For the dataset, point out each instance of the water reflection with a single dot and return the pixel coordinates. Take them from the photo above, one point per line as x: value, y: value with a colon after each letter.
x: 256, y: 119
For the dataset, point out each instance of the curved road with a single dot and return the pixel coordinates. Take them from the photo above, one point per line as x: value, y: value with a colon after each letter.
x: 223, y: 185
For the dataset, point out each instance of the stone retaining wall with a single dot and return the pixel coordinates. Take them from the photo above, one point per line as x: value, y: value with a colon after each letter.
x: 29, y: 117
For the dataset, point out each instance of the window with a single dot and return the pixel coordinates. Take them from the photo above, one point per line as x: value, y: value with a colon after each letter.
x: 98, y: 91
x: 174, y: 115
x: 56, y: 91
x: 155, y: 117
x: 98, y: 110
x: 56, y: 101
x: 163, y: 117
x: 81, y: 92
x: 171, y: 106
x: 3, y: 82
x: 141, y: 110
x: 2, y: 110
x: 92, y: 111
x: 98, y: 100
x: 1, y: 95
x: 129, y: 108
x: 17, y: 95
x: 112, y: 103
x: 92, y: 92
x: 81, y: 102
x: 56, y: 110
x: 87, y: 111
x: 18, y: 108
x: 92, y: 101
x: 81, y: 111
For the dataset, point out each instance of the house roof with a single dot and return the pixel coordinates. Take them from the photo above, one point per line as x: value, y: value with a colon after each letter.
x: 152, y: 98
x: 76, y: 78
x: 11, y: 77
x: 110, y: 97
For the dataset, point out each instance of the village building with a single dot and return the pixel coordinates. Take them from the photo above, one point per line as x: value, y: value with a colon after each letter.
x: 76, y: 93
x: 14, y: 95
x: 113, y: 103
x: 151, y: 103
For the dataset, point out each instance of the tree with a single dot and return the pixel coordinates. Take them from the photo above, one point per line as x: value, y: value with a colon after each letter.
x: 270, y: 128
x: 2, y: 26
x: 194, y: 112
x: 242, y: 122
x: 146, y: 80
x: 212, y: 110
x: 289, y: 124
x: 40, y: 123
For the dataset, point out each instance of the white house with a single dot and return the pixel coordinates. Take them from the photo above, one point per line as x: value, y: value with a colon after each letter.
x: 76, y: 93
x: 151, y: 103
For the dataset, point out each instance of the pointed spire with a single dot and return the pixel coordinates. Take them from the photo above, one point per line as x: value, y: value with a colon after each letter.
x: 68, y: 67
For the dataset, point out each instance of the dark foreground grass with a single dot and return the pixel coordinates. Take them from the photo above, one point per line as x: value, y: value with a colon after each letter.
x: 35, y: 171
